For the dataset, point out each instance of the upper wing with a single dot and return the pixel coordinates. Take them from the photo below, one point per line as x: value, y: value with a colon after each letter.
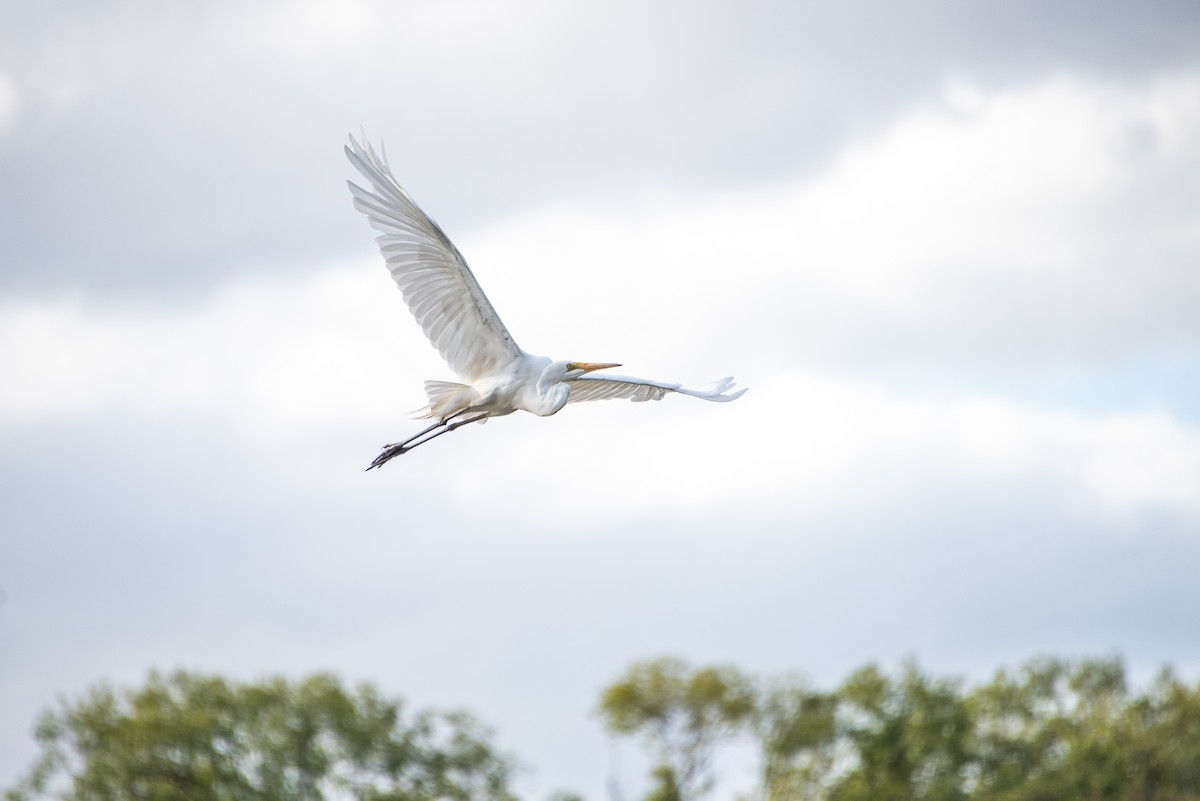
x: 589, y: 388
x: 437, y: 285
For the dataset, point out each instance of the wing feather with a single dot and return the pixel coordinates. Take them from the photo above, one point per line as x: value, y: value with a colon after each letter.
x: 639, y: 390
x: 433, y: 277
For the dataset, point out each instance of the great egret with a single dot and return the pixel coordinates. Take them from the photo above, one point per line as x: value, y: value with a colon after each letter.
x: 497, y: 376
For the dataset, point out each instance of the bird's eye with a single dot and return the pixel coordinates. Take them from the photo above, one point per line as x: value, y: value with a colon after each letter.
x: 571, y: 366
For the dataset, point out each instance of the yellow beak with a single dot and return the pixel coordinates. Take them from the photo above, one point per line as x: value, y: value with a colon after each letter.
x: 588, y: 367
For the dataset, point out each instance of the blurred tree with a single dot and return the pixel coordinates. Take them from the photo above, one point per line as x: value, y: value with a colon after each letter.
x: 1074, y: 731
x: 1019, y: 728
x: 907, y: 738
x: 683, y: 714
x: 193, y: 737
x: 797, y: 731
x: 1052, y: 730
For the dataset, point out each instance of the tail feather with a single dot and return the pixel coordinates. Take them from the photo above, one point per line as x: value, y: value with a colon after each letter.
x: 448, y: 397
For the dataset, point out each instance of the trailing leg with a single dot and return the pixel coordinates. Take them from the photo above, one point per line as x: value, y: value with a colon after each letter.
x: 391, y: 451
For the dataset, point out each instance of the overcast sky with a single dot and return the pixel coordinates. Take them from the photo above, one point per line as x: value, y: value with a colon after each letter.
x: 953, y: 249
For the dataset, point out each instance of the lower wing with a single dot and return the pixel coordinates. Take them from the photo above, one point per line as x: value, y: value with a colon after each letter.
x: 590, y: 388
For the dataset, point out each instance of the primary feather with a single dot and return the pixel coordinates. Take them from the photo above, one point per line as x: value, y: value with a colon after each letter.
x: 638, y: 390
x: 438, y: 286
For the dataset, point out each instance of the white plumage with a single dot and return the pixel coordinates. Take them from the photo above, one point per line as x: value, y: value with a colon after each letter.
x: 497, y: 377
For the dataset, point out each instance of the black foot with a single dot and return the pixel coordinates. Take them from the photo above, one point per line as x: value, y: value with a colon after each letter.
x: 389, y: 451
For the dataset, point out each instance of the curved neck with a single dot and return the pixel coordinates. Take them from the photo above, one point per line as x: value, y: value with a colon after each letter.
x: 552, y: 390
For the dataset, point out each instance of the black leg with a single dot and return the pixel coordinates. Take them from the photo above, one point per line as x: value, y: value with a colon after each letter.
x: 391, y: 451
x: 425, y: 431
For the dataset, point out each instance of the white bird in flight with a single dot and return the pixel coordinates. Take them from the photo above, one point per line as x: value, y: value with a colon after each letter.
x: 497, y: 377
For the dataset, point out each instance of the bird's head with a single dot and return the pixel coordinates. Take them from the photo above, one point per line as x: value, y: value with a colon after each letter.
x: 576, y: 369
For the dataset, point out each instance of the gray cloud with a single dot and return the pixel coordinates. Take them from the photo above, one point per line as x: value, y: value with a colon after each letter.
x: 159, y: 148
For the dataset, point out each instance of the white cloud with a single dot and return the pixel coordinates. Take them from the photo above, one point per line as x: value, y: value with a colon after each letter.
x: 323, y: 356
x: 990, y: 228
x: 963, y: 220
x: 306, y: 28
x: 9, y: 100
x: 277, y: 357
x: 818, y: 444
x: 1139, y: 463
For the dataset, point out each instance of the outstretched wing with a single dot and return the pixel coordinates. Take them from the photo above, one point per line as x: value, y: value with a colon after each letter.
x: 638, y: 390
x: 433, y: 276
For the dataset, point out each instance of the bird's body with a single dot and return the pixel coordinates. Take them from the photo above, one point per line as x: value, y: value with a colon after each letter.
x: 526, y: 384
x: 497, y: 378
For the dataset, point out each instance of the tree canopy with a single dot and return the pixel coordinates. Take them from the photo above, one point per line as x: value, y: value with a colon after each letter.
x: 204, y: 738
x: 1052, y: 730
x: 683, y: 714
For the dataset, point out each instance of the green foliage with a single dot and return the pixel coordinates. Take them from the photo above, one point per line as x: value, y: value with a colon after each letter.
x: 564, y: 795
x: 202, y: 738
x: 1048, y: 731
x: 1074, y: 731
x: 797, y: 731
x: 909, y: 736
x: 682, y: 713
x: 1053, y: 730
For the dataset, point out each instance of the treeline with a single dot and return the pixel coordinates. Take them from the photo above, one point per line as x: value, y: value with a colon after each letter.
x: 1051, y: 730
x: 189, y: 737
